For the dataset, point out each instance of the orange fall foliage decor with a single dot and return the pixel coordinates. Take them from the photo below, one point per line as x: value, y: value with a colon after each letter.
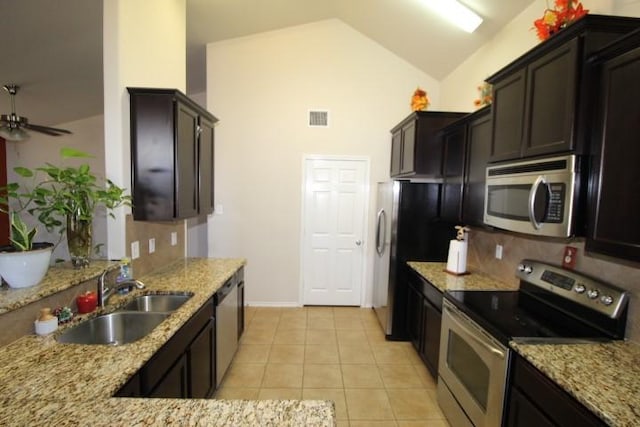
x: 485, y: 95
x: 419, y: 100
x: 553, y: 20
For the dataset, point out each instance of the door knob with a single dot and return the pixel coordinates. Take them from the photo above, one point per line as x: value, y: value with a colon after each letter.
x: 358, y: 242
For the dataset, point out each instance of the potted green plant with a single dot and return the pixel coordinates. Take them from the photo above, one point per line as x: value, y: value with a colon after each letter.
x: 63, y: 199
x: 24, y: 263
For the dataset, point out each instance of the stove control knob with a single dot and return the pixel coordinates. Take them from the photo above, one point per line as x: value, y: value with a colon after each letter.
x: 606, y: 299
x: 579, y: 288
x: 593, y: 293
x: 525, y: 268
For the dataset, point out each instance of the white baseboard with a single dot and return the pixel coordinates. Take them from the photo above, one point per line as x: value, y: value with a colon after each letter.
x: 271, y: 304
x: 280, y: 304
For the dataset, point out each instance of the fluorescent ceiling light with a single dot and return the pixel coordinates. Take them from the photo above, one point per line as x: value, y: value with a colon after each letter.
x: 456, y: 13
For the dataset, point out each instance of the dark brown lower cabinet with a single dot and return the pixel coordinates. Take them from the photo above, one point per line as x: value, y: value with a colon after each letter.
x: 174, y: 382
x: 201, y: 362
x: 414, y: 316
x: 432, y: 320
x: 536, y: 401
x: 424, y: 317
x: 185, y: 367
x: 131, y: 388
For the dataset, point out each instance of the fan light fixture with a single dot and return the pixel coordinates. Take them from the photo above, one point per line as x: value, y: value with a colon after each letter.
x: 456, y: 13
x: 14, y: 127
x: 13, y: 134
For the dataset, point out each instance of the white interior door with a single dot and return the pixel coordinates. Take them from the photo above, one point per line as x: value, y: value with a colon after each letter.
x: 333, y: 231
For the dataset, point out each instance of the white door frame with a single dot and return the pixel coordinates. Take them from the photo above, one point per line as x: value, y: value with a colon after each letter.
x: 367, y: 197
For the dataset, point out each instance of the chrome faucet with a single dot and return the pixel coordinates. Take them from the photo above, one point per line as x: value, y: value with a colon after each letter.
x: 104, y: 292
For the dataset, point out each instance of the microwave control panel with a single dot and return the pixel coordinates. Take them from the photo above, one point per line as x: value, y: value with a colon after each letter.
x: 555, y: 212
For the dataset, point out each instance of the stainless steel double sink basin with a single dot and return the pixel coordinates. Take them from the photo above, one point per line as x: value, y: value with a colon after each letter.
x: 132, y: 322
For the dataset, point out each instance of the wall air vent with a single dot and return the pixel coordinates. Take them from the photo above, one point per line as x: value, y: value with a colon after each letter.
x: 318, y: 118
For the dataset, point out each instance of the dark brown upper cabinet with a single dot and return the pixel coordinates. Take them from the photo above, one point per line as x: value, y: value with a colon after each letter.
x: 467, y: 143
x: 454, y: 143
x: 206, y: 157
x: 541, y: 100
x: 478, y: 147
x: 172, y: 154
x: 416, y: 144
x: 614, y: 184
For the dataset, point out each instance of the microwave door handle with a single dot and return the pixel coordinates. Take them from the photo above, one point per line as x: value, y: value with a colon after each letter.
x: 540, y: 180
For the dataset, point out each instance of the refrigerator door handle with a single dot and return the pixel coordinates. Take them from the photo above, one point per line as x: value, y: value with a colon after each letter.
x: 381, y: 226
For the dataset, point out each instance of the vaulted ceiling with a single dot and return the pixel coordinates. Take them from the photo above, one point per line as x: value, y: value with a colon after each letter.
x: 53, y: 49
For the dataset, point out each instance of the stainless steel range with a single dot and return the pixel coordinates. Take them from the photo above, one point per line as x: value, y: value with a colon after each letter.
x: 552, y: 305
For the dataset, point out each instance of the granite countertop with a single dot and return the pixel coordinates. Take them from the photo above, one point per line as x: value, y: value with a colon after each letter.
x: 43, y: 381
x: 604, y: 377
x: 58, y: 278
x: 475, y: 281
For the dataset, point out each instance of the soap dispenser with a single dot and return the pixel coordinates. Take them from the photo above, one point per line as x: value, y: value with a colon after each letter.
x: 46, y: 322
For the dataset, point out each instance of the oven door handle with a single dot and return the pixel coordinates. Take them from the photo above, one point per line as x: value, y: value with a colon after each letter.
x: 461, y: 323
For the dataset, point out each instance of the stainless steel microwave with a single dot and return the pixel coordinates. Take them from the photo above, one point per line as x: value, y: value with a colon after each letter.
x: 532, y: 196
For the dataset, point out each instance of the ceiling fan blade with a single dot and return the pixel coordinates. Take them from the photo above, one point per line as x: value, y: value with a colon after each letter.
x: 46, y: 130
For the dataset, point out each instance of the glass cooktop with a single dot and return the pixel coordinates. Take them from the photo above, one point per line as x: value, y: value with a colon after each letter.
x: 511, y: 315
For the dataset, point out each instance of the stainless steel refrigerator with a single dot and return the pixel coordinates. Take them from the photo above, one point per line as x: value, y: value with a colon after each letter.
x: 408, y: 229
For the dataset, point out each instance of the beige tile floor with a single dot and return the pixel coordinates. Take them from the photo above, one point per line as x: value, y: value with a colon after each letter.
x: 332, y: 353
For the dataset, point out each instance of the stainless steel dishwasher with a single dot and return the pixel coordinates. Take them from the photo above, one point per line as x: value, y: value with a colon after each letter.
x: 226, y: 327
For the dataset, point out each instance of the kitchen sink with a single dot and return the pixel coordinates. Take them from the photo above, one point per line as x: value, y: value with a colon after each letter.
x: 156, y: 303
x: 113, y: 329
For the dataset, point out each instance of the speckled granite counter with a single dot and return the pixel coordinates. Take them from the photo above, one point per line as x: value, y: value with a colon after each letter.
x: 603, y: 377
x: 44, y: 382
x: 58, y: 278
x: 435, y: 274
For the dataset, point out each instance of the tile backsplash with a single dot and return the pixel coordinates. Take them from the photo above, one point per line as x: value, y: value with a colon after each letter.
x: 165, y: 252
x: 626, y: 275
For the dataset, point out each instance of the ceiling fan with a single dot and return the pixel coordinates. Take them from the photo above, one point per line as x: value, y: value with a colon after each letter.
x: 14, y: 127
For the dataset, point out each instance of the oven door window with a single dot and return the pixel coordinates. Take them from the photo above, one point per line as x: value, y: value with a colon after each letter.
x: 469, y: 368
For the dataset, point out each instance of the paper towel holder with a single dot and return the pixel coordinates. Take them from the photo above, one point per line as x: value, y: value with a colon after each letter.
x: 457, y: 258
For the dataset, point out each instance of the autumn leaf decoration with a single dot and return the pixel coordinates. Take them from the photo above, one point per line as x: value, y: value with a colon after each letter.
x: 553, y: 20
x: 419, y: 100
x: 485, y: 96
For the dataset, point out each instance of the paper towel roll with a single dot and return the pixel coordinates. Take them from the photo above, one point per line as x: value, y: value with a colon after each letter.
x: 457, y: 260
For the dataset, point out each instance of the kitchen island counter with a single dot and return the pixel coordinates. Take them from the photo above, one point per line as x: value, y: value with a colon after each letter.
x: 43, y: 381
x: 434, y: 273
x: 604, y: 377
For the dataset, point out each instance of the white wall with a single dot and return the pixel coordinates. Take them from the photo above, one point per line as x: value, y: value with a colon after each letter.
x: 140, y: 49
x: 459, y: 89
x: 88, y: 136
x: 261, y: 88
x: 626, y: 8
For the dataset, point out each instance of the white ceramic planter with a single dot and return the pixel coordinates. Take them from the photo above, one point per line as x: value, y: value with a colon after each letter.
x: 24, y: 269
